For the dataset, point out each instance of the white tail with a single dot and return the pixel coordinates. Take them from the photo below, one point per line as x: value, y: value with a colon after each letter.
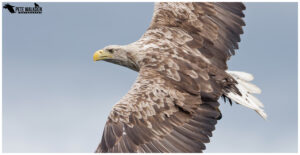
x: 246, y: 89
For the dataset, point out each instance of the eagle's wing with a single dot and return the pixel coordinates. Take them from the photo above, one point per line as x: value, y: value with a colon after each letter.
x: 156, y: 117
x: 214, y: 28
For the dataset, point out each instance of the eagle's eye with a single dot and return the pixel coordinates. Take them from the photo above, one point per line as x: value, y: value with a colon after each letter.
x: 110, y: 50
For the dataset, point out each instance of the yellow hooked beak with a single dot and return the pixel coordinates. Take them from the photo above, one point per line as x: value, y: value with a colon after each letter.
x: 101, y: 55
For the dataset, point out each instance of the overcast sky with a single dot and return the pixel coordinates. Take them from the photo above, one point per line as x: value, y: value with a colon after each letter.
x: 56, y: 99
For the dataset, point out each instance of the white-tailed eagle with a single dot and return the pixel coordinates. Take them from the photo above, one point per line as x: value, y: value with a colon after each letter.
x: 181, y: 60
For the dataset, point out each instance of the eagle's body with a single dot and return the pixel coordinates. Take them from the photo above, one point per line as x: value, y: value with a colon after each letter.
x: 181, y: 59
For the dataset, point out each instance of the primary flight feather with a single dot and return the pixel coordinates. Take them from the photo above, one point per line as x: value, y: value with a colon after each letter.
x: 181, y: 60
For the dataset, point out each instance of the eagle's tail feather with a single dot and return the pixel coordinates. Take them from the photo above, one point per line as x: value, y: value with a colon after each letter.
x: 247, y: 90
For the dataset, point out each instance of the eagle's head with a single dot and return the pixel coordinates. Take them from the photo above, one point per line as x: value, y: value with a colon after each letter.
x: 121, y: 55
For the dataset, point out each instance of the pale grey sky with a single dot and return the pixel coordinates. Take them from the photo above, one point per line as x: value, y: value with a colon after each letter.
x: 56, y: 99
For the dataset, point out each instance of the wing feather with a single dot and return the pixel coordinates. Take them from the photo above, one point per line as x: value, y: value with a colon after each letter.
x: 215, y: 28
x: 172, y: 129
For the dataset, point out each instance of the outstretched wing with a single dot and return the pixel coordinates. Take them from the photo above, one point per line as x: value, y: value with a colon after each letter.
x: 214, y: 28
x: 156, y: 117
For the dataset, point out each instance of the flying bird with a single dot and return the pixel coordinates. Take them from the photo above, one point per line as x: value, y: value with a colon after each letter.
x: 181, y: 60
x: 9, y: 7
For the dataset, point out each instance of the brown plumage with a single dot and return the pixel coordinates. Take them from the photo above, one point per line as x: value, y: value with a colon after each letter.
x: 181, y: 59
